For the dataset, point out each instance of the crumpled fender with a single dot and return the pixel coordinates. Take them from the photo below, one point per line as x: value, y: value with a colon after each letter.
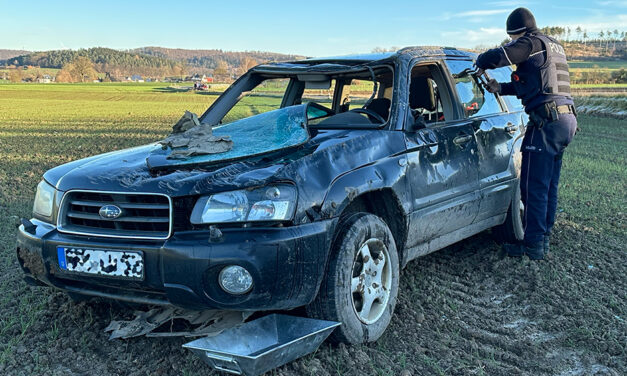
x: 386, y: 173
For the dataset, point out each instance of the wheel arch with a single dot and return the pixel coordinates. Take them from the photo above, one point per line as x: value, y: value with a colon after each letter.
x: 378, y: 189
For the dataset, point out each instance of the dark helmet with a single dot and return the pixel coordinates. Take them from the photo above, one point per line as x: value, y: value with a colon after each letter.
x: 521, y: 20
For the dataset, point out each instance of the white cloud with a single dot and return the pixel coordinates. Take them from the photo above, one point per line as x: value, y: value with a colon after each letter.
x: 509, y: 3
x: 470, y: 38
x: 491, y: 36
x: 475, y: 13
x: 620, y: 4
x: 595, y: 24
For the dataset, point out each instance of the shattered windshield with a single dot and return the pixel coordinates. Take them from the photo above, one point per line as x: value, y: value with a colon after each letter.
x: 266, y: 132
x: 259, y: 134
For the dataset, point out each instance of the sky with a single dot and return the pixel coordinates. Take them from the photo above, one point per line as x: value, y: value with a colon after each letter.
x: 310, y: 28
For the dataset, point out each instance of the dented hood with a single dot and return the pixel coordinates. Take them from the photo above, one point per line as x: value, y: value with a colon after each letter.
x: 319, y: 161
x: 127, y: 171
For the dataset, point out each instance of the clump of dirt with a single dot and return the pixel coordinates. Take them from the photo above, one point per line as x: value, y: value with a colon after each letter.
x: 31, y: 261
x: 189, y: 137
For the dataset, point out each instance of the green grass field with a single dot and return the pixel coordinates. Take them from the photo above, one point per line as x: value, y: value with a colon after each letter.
x: 618, y: 64
x: 462, y: 310
x: 609, y: 86
x: 50, y: 71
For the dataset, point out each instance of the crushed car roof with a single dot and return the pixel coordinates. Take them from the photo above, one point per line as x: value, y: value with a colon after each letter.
x: 422, y: 51
x: 331, y: 63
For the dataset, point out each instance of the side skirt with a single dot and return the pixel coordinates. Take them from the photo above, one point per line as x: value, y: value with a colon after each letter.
x: 450, y: 238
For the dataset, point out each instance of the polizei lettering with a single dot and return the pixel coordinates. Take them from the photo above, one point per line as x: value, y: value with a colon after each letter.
x: 557, y: 48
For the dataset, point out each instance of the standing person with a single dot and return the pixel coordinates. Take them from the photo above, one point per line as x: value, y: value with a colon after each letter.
x: 541, y: 80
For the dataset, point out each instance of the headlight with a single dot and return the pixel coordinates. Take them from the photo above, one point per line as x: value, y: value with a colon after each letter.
x: 273, y: 203
x: 44, y: 199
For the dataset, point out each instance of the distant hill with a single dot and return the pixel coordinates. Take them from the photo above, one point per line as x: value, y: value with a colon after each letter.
x: 103, y: 57
x: 148, y: 61
x: 7, y: 54
x: 210, y: 58
x: 596, y: 50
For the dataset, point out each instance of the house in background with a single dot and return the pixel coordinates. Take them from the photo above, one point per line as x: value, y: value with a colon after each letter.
x: 202, y: 79
x: 45, y: 79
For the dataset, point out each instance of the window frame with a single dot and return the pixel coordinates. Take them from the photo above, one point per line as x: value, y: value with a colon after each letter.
x: 442, y: 79
x: 502, y: 105
x: 502, y: 100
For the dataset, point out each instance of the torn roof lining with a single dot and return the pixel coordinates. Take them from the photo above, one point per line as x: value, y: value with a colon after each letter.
x: 349, y: 60
x: 351, y: 63
x: 335, y: 70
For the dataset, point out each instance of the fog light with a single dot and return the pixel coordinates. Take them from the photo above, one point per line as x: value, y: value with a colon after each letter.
x: 235, y: 280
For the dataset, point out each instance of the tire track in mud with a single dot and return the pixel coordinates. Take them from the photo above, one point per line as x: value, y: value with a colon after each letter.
x: 486, y: 308
x: 461, y: 311
x: 479, y: 311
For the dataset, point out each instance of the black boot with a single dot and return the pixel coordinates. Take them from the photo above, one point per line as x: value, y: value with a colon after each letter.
x: 546, y: 244
x: 535, y: 251
x: 513, y: 249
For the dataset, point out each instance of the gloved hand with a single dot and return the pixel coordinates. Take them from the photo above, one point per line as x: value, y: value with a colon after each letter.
x: 494, y: 86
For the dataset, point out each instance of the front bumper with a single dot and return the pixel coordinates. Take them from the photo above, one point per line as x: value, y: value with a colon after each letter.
x: 286, y: 263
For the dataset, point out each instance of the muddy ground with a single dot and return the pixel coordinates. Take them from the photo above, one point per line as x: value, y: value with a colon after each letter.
x: 463, y: 310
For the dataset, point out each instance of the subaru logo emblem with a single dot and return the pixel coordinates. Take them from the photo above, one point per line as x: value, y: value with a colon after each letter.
x: 110, y: 212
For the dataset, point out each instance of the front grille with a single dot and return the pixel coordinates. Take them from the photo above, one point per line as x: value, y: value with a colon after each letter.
x: 182, y: 208
x: 144, y: 215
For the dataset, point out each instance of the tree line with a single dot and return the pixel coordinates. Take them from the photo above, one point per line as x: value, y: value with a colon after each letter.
x: 211, y: 59
x: 581, y: 35
x: 151, y: 62
x: 115, y: 64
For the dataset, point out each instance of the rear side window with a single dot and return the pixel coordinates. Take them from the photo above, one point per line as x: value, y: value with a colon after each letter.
x: 357, y: 92
x: 474, y: 99
x: 322, y: 96
x: 504, y: 74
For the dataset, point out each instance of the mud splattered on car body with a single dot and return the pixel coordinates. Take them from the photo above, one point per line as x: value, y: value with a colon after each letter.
x: 422, y: 181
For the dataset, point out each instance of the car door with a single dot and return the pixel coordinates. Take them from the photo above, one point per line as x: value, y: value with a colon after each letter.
x: 442, y: 168
x: 495, y: 130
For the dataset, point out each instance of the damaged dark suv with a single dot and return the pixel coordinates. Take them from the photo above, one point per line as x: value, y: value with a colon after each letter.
x: 308, y: 183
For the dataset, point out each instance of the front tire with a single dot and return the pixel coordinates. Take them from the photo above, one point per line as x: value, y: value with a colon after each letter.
x: 361, y: 282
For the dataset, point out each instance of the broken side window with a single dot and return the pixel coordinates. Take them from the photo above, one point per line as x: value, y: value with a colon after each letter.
x: 426, y: 103
x: 357, y: 92
x: 503, y: 74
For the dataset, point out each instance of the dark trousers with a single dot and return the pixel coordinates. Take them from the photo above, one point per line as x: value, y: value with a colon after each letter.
x: 542, y: 151
x: 539, y: 179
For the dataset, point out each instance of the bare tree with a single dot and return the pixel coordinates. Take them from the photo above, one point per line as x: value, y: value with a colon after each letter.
x: 246, y: 64
x: 83, y: 69
x: 64, y: 75
x: 15, y: 75
x: 221, y: 71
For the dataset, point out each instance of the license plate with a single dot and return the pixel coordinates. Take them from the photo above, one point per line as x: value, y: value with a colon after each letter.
x: 120, y: 264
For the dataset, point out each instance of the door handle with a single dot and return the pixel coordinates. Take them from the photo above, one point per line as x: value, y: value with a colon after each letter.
x: 462, y: 139
x: 510, y: 128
